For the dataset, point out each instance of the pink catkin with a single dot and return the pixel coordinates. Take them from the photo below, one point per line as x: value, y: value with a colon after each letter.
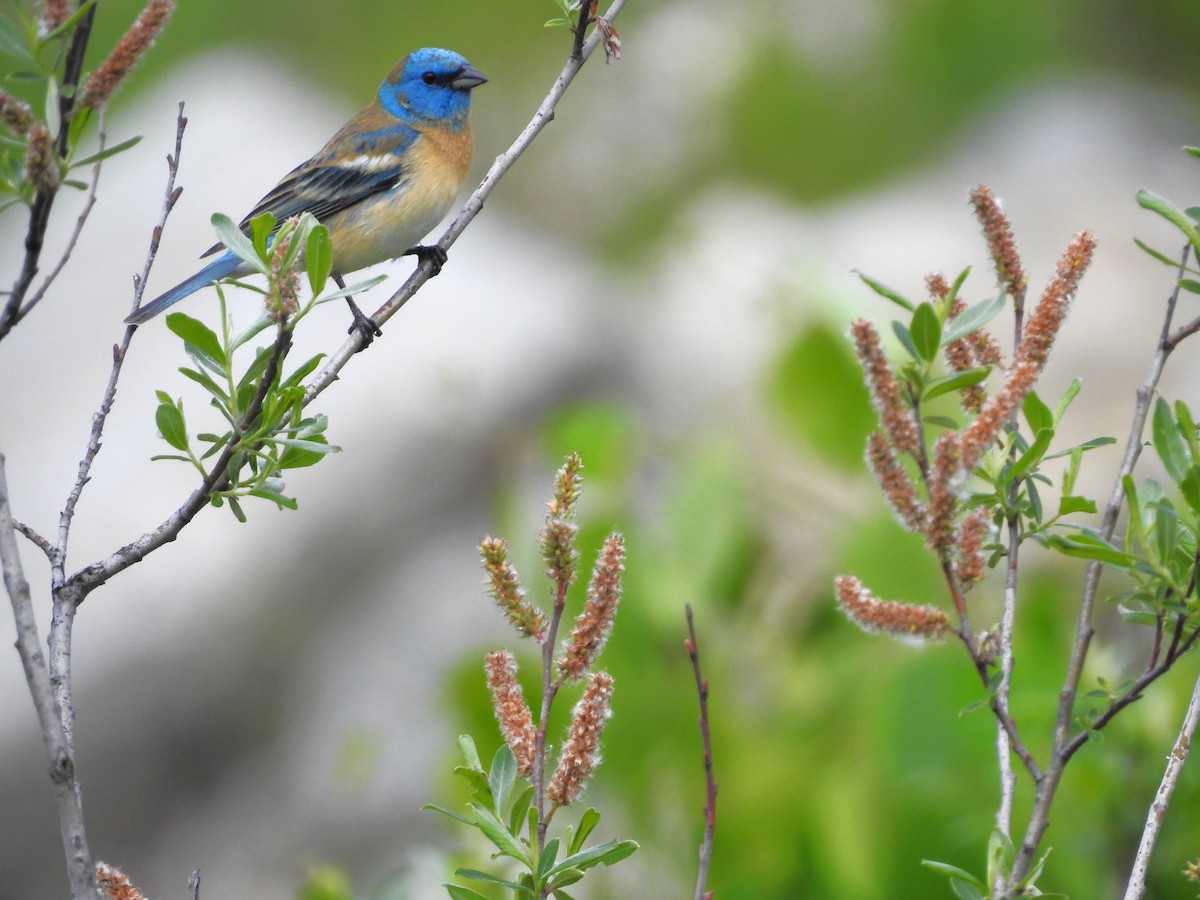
x: 581, y: 751
x: 887, y: 616
x: 594, y: 624
x: 107, y: 77
x: 885, y: 391
x: 512, y: 712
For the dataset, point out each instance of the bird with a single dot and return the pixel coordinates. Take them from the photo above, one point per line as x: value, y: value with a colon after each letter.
x: 379, y: 185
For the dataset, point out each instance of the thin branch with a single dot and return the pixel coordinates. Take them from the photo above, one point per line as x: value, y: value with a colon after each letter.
x: 170, y: 197
x: 710, y: 805
x: 424, y: 271
x: 88, y: 203
x: 83, y: 582
x: 43, y: 201
x: 1136, y: 888
x: 549, y: 691
x: 1039, y: 819
x: 62, y: 764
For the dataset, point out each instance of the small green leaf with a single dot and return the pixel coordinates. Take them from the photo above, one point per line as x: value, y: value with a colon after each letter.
x: 261, y: 228
x: 926, y: 331
x: 906, y: 339
x: 546, y: 861
x: 520, y: 808
x: 169, y: 419
x: 1189, y: 284
x: 12, y: 42
x: 886, y: 292
x: 283, y: 502
x: 972, y: 319
x: 476, y: 875
x: 953, y: 872
x: 359, y: 287
x: 608, y: 853
x: 1172, y: 213
x: 1030, y: 458
x: 941, y: 421
x: 433, y: 807
x: 318, y: 258
x: 1087, y: 547
x: 1162, y: 258
x: 502, y: 777
x: 106, y: 152
x: 199, y: 336
x: 235, y: 241
x: 457, y: 892
x: 955, y: 382
x: 564, y: 878
x: 496, y: 832
x: 1169, y: 443
x: 1037, y: 413
x: 466, y: 746
x: 589, y: 820
x: 1072, y: 504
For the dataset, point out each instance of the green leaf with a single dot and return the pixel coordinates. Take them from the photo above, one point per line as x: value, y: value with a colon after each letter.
x: 466, y: 746
x: 1189, y: 284
x: 359, y: 287
x: 972, y: 319
x: 564, y: 878
x: 1068, y: 395
x: 199, y: 336
x: 433, y: 807
x: 207, y: 383
x: 261, y: 228
x: 965, y: 891
x: 1169, y: 443
x: 1072, y: 504
x: 106, y: 153
x: 886, y: 292
x: 1088, y: 547
x: 1172, y: 213
x: 1030, y: 458
x: 280, y: 500
x: 906, y: 339
x: 169, y: 419
x: 926, y: 331
x: 240, y: 245
x: 942, y: 421
x: 476, y: 875
x: 1162, y: 258
x: 546, y: 861
x: 1187, y: 428
x: 1037, y: 413
x: 589, y: 820
x: 1189, y: 487
x: 318, y: 258
x: 608, y: 853
x: 1086, y: 445
x: 955, y: 382
x: 502, y: 777
x: 520, y: 807
x: 301, y: 454
x: 953, y: 872
x: 496, y: 832
x: 457, y: 892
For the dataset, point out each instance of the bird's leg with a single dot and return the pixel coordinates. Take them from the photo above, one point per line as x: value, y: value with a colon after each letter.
x: 435, y: 254
x: 362, y: 323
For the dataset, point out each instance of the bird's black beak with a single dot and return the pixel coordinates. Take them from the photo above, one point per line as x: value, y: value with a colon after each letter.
x: 468, y: 77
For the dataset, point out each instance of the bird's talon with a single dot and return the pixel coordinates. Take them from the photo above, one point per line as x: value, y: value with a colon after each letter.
x: 434, y: 254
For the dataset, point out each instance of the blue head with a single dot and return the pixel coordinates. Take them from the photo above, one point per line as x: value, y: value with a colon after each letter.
x: 431, y: 85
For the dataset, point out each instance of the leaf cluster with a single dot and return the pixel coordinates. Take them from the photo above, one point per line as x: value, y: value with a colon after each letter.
x: 504, y: 813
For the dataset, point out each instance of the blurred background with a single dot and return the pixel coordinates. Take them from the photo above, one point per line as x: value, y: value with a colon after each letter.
x: 662, y: 283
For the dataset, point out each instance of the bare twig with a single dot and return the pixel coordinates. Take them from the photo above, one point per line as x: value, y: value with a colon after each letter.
x: 544, y: 115
x: 1136, y: 889
x: 549, y: 690
x: 1039, y: 819
x: 710, y: 805
x: 194, y: 885
x: 170, y: 197
x: 37, y: 674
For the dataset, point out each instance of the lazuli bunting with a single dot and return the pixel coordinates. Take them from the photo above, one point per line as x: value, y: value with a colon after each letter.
x: 380, y: 184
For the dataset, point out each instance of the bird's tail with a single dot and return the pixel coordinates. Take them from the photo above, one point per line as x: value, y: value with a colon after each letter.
x: 222, y: 267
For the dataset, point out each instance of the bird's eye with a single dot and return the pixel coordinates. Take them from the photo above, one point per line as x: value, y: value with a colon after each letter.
x: 429, y: 78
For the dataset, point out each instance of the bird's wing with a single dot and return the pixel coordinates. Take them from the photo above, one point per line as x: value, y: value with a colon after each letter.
x: 327, y: 188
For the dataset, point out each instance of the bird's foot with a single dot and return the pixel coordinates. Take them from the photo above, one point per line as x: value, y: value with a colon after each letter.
x: 364, y: 325
x: 434, y: 254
